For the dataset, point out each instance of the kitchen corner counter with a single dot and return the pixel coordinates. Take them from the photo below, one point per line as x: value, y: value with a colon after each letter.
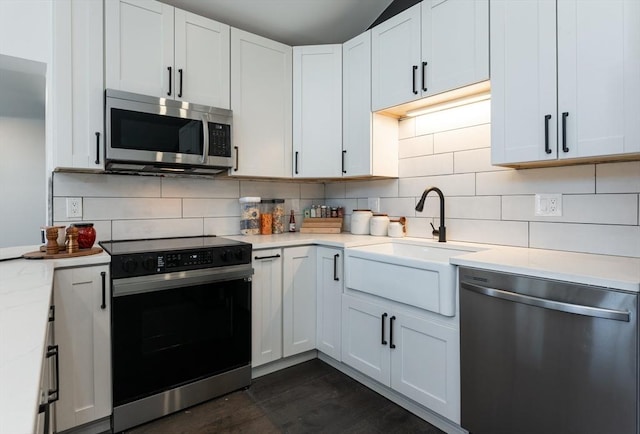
x: 25, y: 294
x: 290, y: 239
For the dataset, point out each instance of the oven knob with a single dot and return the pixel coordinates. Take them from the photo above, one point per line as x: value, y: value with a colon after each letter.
x: 129, y: 265
x: 239, y: 254
x: 226, y: 255
x: 149, y: 263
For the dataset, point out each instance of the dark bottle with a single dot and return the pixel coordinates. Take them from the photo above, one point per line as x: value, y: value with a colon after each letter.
x: 292, y: 222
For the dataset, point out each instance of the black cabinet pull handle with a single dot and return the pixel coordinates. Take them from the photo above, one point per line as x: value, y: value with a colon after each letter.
x: 424, y: 76
x: 97, y: 147
x: 335, y: 267
x: 54, y: 351
x: 564, y: 131
x: 103, y: 274
x: 546, y: 134
x: 52, y: 313
x: 296, y: 170
x: 180, y: 91
x: 169, y: 68
x: 382, y: 339
x: 235, y: 169
x: 391, y: 320
x: 344, y: 152
x: 415, y: 68
x: 258, y: 258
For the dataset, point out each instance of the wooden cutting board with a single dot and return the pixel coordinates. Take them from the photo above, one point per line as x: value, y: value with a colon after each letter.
x: 321, y: 225
x: 62, y: 255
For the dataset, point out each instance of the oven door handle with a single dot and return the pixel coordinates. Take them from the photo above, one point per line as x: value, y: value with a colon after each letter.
x: 179, y: 279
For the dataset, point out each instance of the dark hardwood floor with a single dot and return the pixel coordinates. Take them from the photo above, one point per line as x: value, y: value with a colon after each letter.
x: 312, y: 397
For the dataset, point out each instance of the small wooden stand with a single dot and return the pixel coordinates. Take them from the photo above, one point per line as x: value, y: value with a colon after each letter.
x: 72, y: 239
x: 331, y: 225
x: 52, y: 247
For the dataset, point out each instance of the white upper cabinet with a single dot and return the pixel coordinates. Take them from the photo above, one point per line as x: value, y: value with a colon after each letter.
x: 317, y: 111
x: 430, y: 48
x: 369, y: 141
x: 78, y: 90
x: 592, y: 109
x: 262, y: 105
x: 155, y: 49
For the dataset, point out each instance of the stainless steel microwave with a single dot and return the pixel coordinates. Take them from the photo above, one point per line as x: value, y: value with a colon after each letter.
x: 150, y: 134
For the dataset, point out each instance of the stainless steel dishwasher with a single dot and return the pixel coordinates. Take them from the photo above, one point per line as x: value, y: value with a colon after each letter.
x: 543, y: 356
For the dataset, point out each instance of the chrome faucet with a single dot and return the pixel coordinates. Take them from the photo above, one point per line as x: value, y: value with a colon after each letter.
x: 441, y: 232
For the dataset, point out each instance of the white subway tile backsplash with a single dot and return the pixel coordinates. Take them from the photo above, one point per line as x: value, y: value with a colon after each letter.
x: 613, y: 209
x: 107, y: 208
x: 270, y: 190
x: 335, y: 190
x: 454, y: 118
x: 462, y: 139
x: 102, y: 185
x: 415, y: 146
x: 440, y: 164
x: 406, y: 128
x: 377, y: 188
x: 200, y: 187
x: 221, y: 226
x: 473, y: 161
x: 419, y: 227
x: 210, y: 208
x: 312, y: 191
x: 504, y: 233
x: 618, y: 177
x: 473, y: 207
x: 566, y: 180
x: 598, y: 239
x: 451, y: 185
x: 398, y: 207
x: 156, y: 228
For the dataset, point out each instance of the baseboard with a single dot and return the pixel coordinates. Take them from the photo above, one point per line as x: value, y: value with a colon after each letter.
x: 422, y: 412
x: 277, y: 365
x: 96, y: 427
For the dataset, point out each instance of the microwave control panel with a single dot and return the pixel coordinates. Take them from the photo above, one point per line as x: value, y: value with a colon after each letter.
x: 219, y: 140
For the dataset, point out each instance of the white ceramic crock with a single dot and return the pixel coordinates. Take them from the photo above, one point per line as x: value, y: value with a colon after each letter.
x: 360, y: 221
x: 379, y: 224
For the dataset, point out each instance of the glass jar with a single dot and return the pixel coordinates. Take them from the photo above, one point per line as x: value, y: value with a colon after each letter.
x: 250, y: 215
x: 266, y: 216
x: 278, y: 216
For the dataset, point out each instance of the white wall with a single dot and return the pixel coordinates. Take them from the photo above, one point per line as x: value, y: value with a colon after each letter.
x: 486, y: 204
x: 22, y: 180
x: 26, y: 29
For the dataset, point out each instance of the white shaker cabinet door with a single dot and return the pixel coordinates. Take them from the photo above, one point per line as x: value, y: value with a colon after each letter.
x: 261, y: 100
x: 201, y: 60
x: 598, y: 77
x: 317, y: 111
x: 299, y: 300
x: 455, y: 44
x: 395, y: 60
x: 523, y: 81
x: 139, y: 47
x: 266, y: 307
x: 330, y: 280
x: 83, y: 332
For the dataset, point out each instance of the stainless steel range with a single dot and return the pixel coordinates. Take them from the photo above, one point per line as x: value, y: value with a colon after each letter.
x: 180, y: 325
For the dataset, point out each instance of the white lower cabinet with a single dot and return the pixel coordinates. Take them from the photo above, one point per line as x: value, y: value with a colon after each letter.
x: 298, y: 300
x: 415, y: 354
x: 82, y: 331
x: 266, y: 307
x: 329, y: 300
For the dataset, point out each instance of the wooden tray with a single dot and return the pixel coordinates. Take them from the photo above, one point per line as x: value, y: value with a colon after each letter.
x: 321, y: 225
x: 43, y: 255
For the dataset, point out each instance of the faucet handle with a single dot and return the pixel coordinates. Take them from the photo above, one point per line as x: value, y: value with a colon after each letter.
x: 435, y: 231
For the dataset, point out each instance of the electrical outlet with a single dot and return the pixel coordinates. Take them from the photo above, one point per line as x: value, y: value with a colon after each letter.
x: 74, y: 207
x: 548, y: 205
x: 374, y: 204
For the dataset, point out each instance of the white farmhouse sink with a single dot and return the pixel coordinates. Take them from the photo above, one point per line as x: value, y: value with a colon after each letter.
x: 417, y: 274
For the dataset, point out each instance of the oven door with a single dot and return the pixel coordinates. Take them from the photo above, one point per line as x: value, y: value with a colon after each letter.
x: 172, y: 329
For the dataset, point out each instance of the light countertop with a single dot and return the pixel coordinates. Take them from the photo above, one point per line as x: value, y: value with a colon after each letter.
x: 25, y: 294
x: 26, y: 285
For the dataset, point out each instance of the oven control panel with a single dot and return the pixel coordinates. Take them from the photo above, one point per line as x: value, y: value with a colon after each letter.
x: 143, y: 264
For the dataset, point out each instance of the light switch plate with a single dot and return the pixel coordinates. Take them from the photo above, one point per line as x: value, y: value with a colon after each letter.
x: 548, y: 205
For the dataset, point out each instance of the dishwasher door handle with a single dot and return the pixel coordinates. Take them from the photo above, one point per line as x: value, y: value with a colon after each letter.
x: 597, y: 312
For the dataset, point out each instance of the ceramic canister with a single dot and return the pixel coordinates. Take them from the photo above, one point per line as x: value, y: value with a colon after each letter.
x: 379, y: 224
x: 360, y: 221
x: 396, y: 230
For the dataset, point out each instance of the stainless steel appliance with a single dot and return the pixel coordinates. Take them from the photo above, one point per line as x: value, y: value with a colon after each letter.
x: 543, y: 356
x: 149, y: 134
x: 180, y: 325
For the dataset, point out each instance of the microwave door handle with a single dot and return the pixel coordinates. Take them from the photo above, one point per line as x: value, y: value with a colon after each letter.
x: 205, y: 129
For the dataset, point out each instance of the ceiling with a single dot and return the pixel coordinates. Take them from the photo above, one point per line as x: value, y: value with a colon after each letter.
x: 293, y: 22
